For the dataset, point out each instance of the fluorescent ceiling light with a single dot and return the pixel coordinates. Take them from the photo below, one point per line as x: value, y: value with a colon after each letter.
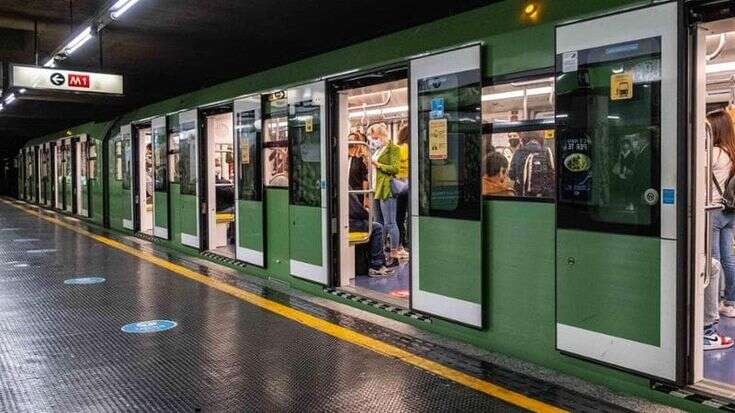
x: 613, y: 117
x: 78, y: 41
x: 358, y: 113
x: 10, y: 99
x: 720, y: 67
x: 518, y: 93
x: 119, y: 8
x: 22, y: 90
x: 51, y: 62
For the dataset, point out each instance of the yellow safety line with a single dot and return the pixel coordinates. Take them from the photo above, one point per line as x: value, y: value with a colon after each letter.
x: 316, y: 323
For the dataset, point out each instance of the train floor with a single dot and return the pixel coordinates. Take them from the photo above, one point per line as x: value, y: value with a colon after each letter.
x: 95, y: 321
x: 719, y: 365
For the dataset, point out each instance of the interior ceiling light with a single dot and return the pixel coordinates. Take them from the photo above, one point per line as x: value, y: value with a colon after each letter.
x: 22, y: 90
x: 518, y: 93
x: 720, y: 67
x: 78, y: 41
x: 120, y: 7
x: 10, y: 99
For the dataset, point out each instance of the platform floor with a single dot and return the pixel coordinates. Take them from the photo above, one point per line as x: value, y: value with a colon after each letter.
x: 62, y: 347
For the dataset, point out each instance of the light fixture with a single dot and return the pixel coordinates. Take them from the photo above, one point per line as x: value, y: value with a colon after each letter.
x: 518, y: 93
x: 22, y: 90
x: 1, y: 107
x: 530, y: 9
x: 10, y: 99
x: 613, y: 117
x: 51, y: 62
x: 720, y: 67
x: 78, y: 41
x: 120, y: 7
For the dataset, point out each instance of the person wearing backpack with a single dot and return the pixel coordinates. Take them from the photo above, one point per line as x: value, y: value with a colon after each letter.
x: 531, y: 168
x: 723, y: 226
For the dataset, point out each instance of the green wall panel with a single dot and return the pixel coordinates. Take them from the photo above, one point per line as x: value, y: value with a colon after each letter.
x: 251, y: 224
x: 306, y: 234
x: 450, y: 258
x: 278, y: 233
x: 613, y: 287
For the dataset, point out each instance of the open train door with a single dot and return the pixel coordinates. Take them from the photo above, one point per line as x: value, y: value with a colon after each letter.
x: 617, y: 135
x: 446, y: 201
x: 249, y: 235
x: 308, y: 182
x: 126, y: 139
x: 159, y: 141
x: 189, y: 167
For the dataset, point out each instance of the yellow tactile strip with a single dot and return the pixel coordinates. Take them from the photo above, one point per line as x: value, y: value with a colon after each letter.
x: 316, y: 323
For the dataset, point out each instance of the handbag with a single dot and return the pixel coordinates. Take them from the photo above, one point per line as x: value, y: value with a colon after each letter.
x: 398, y: 186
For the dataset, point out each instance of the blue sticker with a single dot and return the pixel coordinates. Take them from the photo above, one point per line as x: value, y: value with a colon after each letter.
x: 152, y: 326
x: 669, y: 195
x: 84, y: 280
x: 437, y: 108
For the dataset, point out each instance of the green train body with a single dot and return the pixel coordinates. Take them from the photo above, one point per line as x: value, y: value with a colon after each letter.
x: 521, y: 256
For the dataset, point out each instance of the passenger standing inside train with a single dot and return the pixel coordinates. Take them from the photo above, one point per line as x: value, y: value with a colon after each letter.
x: 402, y: 196
x: 386, y: 161
x: 723, y: 223
x: 358, y: 173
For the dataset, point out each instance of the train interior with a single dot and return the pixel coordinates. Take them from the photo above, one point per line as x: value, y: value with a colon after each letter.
x: 715, y: 90
x: 220, y: 178
x: 145, y: 176
x: 372, y: 264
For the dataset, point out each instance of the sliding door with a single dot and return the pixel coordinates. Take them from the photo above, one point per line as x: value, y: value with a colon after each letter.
x: 189, y: 169
x: 308, y: 182
x: 159, y: 141
x: 250, y: 235
x: 446, y: 202
x: 616, y: 238
x: 126, y: 141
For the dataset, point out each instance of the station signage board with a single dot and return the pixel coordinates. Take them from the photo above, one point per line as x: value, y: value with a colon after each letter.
x: 44, y: 78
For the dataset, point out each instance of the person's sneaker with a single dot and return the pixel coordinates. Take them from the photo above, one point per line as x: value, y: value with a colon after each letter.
x: 727, y: 310
x: 402, y: 253
x: 380, y: 272
x: 714, y: 341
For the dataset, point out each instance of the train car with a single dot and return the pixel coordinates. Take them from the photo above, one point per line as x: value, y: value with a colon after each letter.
x: 529, y: 177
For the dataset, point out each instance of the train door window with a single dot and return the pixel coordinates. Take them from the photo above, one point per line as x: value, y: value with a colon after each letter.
x: 220, y: 184
x: 67, y: 174
x: 145, y: 180
x: 518, y: 138
x: 188, y: 162
x: 372, y: 113
x: 173, y: 155
x: 275, y: 139
x: 118, y: 159
x: 83, y: 182
x: 43, y: 174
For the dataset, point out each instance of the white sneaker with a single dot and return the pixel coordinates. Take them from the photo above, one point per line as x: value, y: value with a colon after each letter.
x: 381, y: 272
x: 727, y: 310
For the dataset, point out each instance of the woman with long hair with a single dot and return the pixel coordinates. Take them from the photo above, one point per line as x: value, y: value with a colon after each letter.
x: 386, y: 161
x: 723, y: 225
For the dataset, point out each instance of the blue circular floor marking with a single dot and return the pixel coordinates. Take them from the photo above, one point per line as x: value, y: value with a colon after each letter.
x: 84, y: 280
x: 152, y: 326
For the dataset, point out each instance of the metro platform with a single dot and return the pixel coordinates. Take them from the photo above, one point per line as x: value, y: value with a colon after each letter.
x: 236, y: 345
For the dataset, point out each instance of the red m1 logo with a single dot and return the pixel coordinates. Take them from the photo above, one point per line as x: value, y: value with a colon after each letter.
x: 78, y: 80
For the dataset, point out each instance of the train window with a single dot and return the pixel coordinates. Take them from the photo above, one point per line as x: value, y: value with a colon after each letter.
x: 518, y: 138
x: 92, y: 160
x: 450, y: 131
x: 173, y: 156
x: 275, y: 139
x: 608, y: 131
x: 160, y: 158
x: 127, y: 164
x: 118, y: 159
x: 304, y: 126
x: 247, y: 127
x: 188, y: 158
x: 84, y: 159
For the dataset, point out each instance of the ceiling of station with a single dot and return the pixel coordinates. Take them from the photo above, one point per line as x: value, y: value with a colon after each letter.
x: 168, y: 47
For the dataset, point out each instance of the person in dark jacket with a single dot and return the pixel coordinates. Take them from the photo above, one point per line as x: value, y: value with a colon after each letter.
x: 359, y: 218
x: 531, y: 144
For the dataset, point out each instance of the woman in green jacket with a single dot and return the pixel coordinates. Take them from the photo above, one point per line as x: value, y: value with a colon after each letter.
x: 387, y: 161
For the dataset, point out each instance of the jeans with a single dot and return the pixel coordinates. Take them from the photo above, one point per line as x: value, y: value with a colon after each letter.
x: 712, y: 296
x: 388, y: 211
x: 723, y: 225
x: 401, y: 217
x: 377, y: 255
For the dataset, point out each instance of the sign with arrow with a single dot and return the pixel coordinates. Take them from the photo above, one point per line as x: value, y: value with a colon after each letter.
x: 42, y: 78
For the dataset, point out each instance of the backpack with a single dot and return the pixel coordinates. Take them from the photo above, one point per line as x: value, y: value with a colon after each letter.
x: 728, y: 195
x: 538, y: 175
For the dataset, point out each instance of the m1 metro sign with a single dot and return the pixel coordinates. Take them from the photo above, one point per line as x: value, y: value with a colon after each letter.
x: 43, y: 78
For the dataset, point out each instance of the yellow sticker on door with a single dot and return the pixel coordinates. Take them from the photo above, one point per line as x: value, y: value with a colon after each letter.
x: 621, y: 86
x: 309, y: 124
x: 438, y: 139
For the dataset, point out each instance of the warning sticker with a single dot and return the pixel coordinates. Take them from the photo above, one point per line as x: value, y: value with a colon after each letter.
x: 569, y: 62
x: 438, y: 139
x: 309, y: 124
x: 621, y: 86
